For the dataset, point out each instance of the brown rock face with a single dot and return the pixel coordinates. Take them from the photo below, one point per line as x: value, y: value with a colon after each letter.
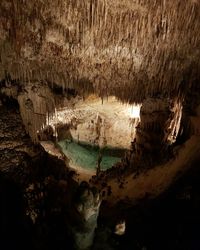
x: 154, y: 115
x: 157, y: 129
x: 110, y: 47
x: 16, y: 147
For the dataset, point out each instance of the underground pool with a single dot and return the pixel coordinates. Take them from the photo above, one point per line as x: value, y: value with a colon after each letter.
x: 86, y: 156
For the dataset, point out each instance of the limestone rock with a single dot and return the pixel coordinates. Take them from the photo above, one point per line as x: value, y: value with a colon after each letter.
x: 87, y: 205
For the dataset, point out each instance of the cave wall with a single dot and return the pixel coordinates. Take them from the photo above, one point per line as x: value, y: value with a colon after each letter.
x: 190, y: 119
x: 108, y: 124
x: 37, y: 104
x: 153, y: 130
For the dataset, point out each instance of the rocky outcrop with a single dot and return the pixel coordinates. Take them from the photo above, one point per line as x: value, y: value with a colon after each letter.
x: 16, y: 147
x: 154, y: 129
x: 151, y: 183
x: 191, y: 115
x: 86, y: 205
x: 157, y: 131
x: 38, y: 103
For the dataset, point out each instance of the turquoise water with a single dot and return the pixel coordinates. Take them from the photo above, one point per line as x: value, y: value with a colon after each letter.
x: 86, y: 156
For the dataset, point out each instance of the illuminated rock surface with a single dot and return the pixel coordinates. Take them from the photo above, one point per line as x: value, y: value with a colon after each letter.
x: 57, y: 58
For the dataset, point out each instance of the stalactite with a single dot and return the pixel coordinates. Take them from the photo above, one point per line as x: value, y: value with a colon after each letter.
x: 163, y: 34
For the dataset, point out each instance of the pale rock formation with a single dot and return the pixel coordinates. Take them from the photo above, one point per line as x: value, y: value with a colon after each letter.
x: 87, y: 205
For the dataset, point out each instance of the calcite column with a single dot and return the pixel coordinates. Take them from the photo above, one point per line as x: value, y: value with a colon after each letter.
x: 153, y: 130
x: 190, y: 123
x: 86, y: 210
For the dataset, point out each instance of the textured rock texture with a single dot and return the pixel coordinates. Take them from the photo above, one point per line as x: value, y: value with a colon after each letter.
x: 16, y: 148
x: 110, y: 47
x: 37, y: 104
x: 86, y: 205
x: 43, y: 188
x: 110, y: 123
x: 153, y: 131
x: 190, y: 122
x: 131, y: 49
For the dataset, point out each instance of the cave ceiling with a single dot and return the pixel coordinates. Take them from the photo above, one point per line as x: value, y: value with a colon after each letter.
x: 126, y: 48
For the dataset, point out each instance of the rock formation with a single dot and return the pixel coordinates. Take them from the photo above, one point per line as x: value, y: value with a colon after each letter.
x: 54, y: 54
x: 154, y: 129
x: 87, y: 203
x: 102, y: 46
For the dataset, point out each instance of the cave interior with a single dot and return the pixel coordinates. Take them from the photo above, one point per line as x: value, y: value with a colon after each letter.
x: 99, y: 124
